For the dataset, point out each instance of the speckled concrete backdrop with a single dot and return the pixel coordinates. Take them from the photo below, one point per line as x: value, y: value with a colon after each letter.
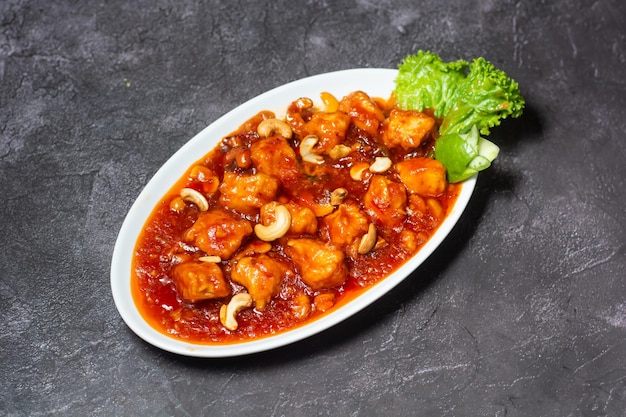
x: 522, y: 312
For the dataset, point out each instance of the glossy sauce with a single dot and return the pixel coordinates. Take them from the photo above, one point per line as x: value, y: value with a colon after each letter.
x: 161, y: 242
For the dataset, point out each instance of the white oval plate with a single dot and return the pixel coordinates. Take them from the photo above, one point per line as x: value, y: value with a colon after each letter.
x: 375, y: 82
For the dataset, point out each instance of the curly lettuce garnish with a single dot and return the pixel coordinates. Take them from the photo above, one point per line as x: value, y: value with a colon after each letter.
x: 470, y: 98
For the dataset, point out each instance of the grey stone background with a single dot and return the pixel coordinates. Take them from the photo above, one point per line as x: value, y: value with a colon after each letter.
x: 521, y: 312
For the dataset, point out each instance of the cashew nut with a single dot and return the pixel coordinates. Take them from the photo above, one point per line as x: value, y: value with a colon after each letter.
x: 339, y: 151
x: 338, y: 196
x: 269, y: 126
x: 381, y: 164
x: 281, y: 225
x: 357, y: 170
x: 368, y: 241
x: 210, y: 258
x: 228, y: 312
x: 330, y: 101
x: 306, y: 150
x: 192, y: 196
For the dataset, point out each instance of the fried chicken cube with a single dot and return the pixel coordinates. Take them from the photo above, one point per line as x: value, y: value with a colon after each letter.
x: 261, y: 275
x: 406, y: 128
x: 197, y: 281
x: 345, y: 224
x: 425, y: 177
x: 303, y: 219
x: 247, y: 193
x: 218, y: 232
x: 385, y: 200
x: 274, y: 156
x: 363, y: 111
x: 319, y: 265
x: 330, y: 129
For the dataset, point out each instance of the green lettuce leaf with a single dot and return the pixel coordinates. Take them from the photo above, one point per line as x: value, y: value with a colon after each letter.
x: 465, y: 96
x: 424, y: 81
x: 464, y: 154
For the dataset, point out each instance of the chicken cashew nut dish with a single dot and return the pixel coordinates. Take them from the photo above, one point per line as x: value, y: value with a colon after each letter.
x: 291, y: 216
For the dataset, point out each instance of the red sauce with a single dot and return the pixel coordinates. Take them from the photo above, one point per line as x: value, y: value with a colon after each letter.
x: 161, y: 244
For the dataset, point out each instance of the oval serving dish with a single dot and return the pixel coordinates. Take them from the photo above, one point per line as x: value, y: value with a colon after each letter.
x: 376, y: 83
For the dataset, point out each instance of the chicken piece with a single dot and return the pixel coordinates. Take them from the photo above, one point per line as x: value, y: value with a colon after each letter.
x: 303, y: 220
x: 274, y: 156
x: 406, y: 128
x: 218, y: 233
x: 319, y: 265
x: 261, y: 275
x: 330, y: 129
x: 247, y: 193
x: 197, y: 281
x: 297, y: 113
x: 344, y: 225
x: 425, y: 177
x: 385, y: 200
x: 363, y: 111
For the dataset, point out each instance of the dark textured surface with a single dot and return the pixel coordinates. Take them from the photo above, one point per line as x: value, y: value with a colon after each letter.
x: 522, y: 311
